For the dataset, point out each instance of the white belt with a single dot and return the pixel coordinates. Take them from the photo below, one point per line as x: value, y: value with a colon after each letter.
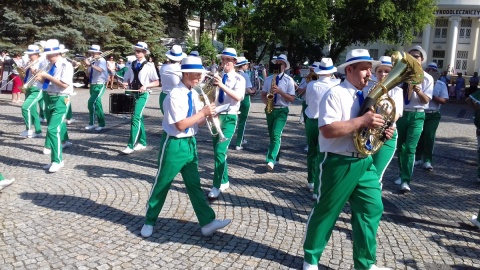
x: 57, y: 94
x: 413, y: 110
x: 431, y: 111
x: 279, y: 106
x: 233, y: 113
x: 351, y: 154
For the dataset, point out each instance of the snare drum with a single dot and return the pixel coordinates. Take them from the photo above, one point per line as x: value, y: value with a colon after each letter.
x: 122, y: 103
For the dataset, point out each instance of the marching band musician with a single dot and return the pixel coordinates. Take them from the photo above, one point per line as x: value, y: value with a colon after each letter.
x: 98, y: 79
x: 410, y: 125
x: 33, y: 94
x: 58, y: 84
x: 170, y: 74
x: 242, y: 66
x: 313, y: 95
x: 231, y: 91
x: 178, y: 150
x: 384, y: 156
x: 424, y: 150
x: 346, y: 175
x: 284, y: 94
x: 141, y: 75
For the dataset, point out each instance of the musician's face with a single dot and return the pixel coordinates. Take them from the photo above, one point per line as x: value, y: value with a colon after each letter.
x: 358, y: 74
x: 417, y: 55
x: 382, y: 72
x: 228, y: 63
x: 33, y: 57
x: 52, y: 58
x: 191, y: 79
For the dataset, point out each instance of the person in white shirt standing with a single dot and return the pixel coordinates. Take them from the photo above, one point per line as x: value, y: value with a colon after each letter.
x: 170, y: 74
x: 314, y: 93
x: 284, y: 93
x: 424, y: 151
x: 141, y: 75
x: 98, y: 79
x: 231, y: 90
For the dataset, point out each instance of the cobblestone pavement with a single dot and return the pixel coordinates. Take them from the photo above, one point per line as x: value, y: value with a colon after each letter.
x: 89, y: 214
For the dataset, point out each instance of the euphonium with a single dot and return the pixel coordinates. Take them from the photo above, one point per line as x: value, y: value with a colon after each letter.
x: 207, y: 92
x: 270, y: 95
x: 405, y: 69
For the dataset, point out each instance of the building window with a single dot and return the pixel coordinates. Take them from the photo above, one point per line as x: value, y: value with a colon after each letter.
x: 441, y: 29
x: 462, y: 61
x: 438, y: 57
x: 373, y: 53
x: 465, y: 30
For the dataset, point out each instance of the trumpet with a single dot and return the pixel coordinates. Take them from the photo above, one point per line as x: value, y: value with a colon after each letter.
x: 32, y: 79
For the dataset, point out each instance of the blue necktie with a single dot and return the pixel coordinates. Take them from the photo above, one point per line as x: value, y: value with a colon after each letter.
x: 221, y: 94
x: 360, y: 97
x: 138, y: 66
x: 190, y: 108
x: 277, y: 80
x: 26, y: 76
x: 91, y: 75
x: 46, y: 82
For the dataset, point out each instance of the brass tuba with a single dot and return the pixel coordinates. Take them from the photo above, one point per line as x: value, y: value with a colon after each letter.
x: 270, y: 95
x: 405, y: 69
x: 207, y: 92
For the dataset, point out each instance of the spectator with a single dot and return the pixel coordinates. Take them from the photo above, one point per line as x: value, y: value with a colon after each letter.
x: 459, y: 86
x: 121, y: 64
x: 444, y: 77
x: 17, y: 86
x: 473, y: 83
x: 111, y: 67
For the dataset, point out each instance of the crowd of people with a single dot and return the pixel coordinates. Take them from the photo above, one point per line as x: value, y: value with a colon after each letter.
x: 345, y: 160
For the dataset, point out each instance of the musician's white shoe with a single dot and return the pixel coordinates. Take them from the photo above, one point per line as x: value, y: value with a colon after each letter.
x: 55, y: 167
x: 27, y: 133
x: 398, y: 181
x: 70, y: 121
x: 306, y: 148
x: 99, y: 128
x: 405, y: 187
x: 270, y: 166
x: 35, y: 135
x: 428, y: 166
x: 213, y: 226
x: 6, y: 182
x: 139, y: 147
x: 310, y: 186
x: 307, y: 266
x: 43, y: 120
x: 213, y: 194
x: 224, y: 187
x: 374, y: 267
x: 90, y: 127
x: 147, y: 230
x: 238, y: 147
x: 474, y: 219
x: 418, y: 163
x: 66, y: 144
x: 128, y: 151
x: 47, y: 151
x: 244, y: 141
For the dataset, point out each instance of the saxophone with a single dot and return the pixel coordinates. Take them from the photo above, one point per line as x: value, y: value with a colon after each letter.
x: 405, y: 68
x: 270, y: 95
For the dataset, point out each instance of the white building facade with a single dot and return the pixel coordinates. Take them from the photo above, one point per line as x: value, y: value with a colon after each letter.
x: 453, y: 41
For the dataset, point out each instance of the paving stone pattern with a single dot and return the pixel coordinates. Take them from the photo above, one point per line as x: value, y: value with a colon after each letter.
x: 89, y: 214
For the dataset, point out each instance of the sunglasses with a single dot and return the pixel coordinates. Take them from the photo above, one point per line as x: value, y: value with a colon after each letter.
x: 416, y: 56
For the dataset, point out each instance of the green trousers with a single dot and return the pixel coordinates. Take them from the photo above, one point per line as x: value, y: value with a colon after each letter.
x: 313, y: 154
x: 95, y: 107
x: 178, y: 155
x: 57, y: 107
x: 276, y: 121
x: 304, y: 106
x: 409, y: 128
x: 345, y: 179
x: 384, y: 156
x: 2, y: 177
x: 427, y: 139
x: 137, y: 130
x: 242, y: 119
x: 42, y: 105
x: 69, y: 112
x: 161, y: 98
x: 29, y: 109
x: 228, y: 123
